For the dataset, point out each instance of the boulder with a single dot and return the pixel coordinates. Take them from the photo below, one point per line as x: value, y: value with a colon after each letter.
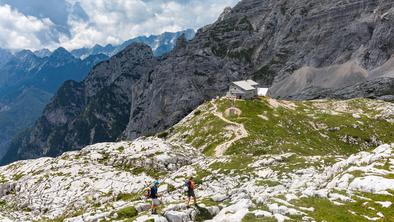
x: 213, y: 210
x: 219, y: 197
x: 176, y: 216
x: 140, y: 207
x: 262, y: 213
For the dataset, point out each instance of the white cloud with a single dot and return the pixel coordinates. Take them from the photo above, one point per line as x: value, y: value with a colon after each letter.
x: 20, y: 31
x: 106, y: 22
x: 119, y: 20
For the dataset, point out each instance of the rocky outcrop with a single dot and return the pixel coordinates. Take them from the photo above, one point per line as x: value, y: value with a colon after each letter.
x: 366, y: 39
x: 102, y: 173
x: 106, y: 182
x: 380, y: 88
x: 307, y: 172
x: 265, y: 40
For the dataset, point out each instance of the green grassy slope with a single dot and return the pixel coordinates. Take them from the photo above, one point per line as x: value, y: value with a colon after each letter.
x: 305, y: 128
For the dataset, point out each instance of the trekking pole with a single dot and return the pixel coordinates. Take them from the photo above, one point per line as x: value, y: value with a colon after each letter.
x: 144, y: 188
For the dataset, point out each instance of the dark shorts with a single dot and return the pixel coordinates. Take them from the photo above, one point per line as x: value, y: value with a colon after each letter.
x: 190, y: 193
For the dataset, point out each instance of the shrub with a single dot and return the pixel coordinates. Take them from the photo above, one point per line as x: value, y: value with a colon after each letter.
x: 162, y: 134
x: 121, y: 149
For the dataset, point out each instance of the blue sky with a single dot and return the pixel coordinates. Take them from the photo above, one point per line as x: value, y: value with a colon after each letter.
x: 35, y: 24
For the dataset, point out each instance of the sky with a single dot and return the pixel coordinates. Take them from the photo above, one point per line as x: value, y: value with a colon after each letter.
x: 37, y: 24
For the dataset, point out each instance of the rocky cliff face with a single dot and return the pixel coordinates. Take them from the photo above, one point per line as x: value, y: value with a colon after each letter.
x: 28, y: 82
x: 271, y: 41
x: 91, y: 111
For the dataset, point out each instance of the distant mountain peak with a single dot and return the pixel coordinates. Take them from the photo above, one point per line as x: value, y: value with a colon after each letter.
x: 62, y: 54
x: 60, y: 50
x: 24, y: 53
x: 160, y: 44
x: 26, y: 56
x: 5, y: 56
x: 42, y: 53
x: 97, y: 46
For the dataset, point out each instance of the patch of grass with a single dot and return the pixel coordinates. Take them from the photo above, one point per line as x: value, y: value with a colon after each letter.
x: 208, y: 202
x: 18, y: 176
x: 3, y: 179
x: 120, y: 149
x: 27, y: 209
x: 297, y: 162
x: 156, y: 174
x: 197, y: 112
x: 138, y: 170
x: 250, y: 217
x: 205, y: 131
x: 3, y: 203
x: 127, y: 212
x: 200, y: 175
x: 127, y: 197
x: 386, y: 165
x: 389, y: 176
x: 304, y: 129
x: 238, y: 164
x: 97, y: 205
x: 357, y: 173
x: 270, y: 183
x: 57, y: 219
x: 61, y: 174
x: 35, y: 173
x: 327, y: 211
x: 163, y: 134
x: 105, y: 158
x: 12, y: 166
x: 64, y: 216
x: 171, y: 188
x: 203, y: 214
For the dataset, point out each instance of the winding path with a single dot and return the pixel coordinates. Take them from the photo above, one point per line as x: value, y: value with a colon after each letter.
x: 239, y: 131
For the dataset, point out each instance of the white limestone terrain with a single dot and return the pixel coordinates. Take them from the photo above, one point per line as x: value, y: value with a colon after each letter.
x: 105, y: 182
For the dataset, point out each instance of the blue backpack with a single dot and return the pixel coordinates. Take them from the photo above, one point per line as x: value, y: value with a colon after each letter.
x: 153, y: 192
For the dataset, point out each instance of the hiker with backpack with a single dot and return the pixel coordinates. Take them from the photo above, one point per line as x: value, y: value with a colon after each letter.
x: 152, y: 192
x: 190, y: 187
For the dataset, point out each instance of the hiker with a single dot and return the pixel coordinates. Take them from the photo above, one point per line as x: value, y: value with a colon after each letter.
x: 154, y: 195
x: 191, y: 186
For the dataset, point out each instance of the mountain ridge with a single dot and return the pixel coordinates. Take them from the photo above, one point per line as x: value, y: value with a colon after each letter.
x: 28, y: 82
x: 35, y: 67
x: 160, y: 44
x: 267, y: 41
x: 75, y: 106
